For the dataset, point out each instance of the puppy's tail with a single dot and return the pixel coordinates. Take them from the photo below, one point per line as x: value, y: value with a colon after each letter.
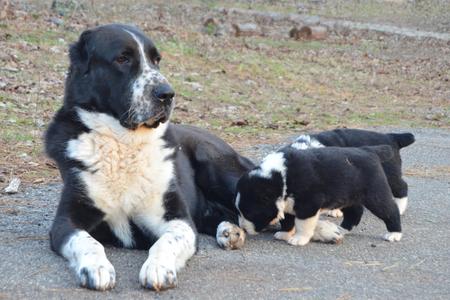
x: 384, y: 152
x: 402, y: 139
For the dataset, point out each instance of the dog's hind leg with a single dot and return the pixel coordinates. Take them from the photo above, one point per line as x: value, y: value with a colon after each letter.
x: 352, y: 216
x: 384, y: 207
x: 400, y: 191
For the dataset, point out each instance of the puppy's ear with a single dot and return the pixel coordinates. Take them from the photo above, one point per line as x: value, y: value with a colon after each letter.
x: 80, y: 54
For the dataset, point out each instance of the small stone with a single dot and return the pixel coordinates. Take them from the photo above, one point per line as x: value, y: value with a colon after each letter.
x: 13, y: 186
x: 242, y: 122
x: 195, y: 86
x: 56, y: 21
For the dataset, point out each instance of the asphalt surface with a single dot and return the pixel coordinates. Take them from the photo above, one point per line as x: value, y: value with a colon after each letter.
x: 362, y: 267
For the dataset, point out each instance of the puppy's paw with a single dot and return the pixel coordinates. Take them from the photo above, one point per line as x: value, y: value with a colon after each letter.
x: 284, y: 235
x: 328, y: 232
x: 298, y: 240
x: 334, y: 213
x: 230, y: 236
x: 393, y: 236
x: 157, y: 275
x: 96, y: 273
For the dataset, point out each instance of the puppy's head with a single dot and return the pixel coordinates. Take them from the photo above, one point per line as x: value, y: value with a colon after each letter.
x: 259, y: 193
x: 115, y: 70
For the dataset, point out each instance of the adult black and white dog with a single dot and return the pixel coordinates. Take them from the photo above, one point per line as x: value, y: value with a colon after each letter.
x: 131, y: 179
x: 356, y: 138
x: 302, y: 183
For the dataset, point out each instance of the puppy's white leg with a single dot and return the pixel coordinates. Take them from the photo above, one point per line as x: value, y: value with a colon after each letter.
x: 335, y: 213
x: 87, y: 256
x: 304, y: 230
x: 169, y: 254
x: 230, y: 236
x: 328, y: 232
x: 284, y: 235
x: 402, y: 203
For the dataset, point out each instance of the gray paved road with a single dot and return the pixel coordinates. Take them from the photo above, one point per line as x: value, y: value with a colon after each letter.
x: 362, y: 267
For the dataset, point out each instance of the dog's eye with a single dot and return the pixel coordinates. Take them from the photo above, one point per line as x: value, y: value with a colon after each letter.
x: 156, y: 61
x: 122, y: 60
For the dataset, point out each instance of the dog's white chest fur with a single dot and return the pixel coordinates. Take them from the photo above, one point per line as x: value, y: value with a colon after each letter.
x: 128, y: 171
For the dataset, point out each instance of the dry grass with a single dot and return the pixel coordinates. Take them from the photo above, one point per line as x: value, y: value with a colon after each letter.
x: 272, y: 87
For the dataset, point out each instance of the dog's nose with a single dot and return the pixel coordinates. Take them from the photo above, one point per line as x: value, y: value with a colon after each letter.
x: 164, y: 92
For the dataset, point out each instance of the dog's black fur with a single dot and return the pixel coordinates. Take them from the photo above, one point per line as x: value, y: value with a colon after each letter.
x: 104, y: 63
x: 320, y: 178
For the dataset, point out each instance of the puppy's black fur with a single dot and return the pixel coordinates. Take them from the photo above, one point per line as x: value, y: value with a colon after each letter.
x: 358, y: 138
x: 321, y: 178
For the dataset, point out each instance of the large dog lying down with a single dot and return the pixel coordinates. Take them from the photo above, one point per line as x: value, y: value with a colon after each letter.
x: 130, y: 178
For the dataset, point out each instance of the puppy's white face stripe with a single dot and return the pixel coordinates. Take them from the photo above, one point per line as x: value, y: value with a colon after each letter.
x: 147, y: 79
x: 272, y: 162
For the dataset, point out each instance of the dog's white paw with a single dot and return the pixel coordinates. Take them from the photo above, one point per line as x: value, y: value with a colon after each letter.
x: 335, y: 213
x: 157, y: 275
x: 402, y: 203
x: 328, y: 232
x: 284, y: 235
x: 393, y: 236
x: 96, y: 273
x: 230, y: 236
x: 298, y: 240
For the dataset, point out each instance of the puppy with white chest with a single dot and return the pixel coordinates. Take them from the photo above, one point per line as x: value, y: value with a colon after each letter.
x: 302, y: 183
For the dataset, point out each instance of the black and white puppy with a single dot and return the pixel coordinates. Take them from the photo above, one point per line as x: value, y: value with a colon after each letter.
x: 358, y: 138
x: 302, y: 183
x: 131, y: 179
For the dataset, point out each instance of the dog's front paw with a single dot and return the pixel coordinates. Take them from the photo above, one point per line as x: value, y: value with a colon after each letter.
x: 334, y: 213
x: 97, y: 274
x: 157, y: 275
x: 284, y: 235
x: 230, y: 236
x: 298, y: 240
x: 328, y: 232
x: 393, y: 236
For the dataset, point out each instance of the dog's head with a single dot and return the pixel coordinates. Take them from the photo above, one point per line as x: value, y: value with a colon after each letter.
x: 114, y: 69
x: 260, y: 193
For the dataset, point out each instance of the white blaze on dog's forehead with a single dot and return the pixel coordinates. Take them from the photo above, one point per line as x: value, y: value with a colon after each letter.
x: 147, y: 79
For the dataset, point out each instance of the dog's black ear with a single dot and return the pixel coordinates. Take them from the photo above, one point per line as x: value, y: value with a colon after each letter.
x: 80, y: 54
